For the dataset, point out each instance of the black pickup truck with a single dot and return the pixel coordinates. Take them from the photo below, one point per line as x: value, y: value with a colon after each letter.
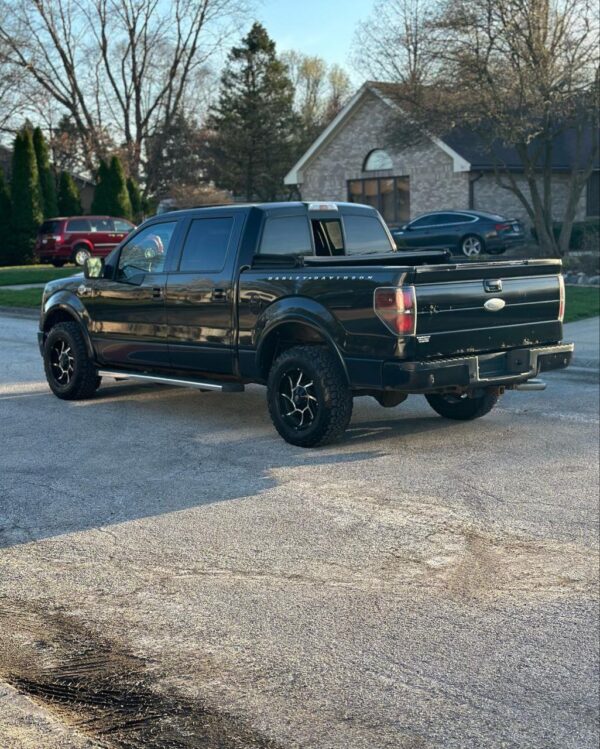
x: 310, y: 299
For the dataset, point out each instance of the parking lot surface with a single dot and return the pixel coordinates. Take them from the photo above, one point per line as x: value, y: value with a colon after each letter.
x: 172, y: 574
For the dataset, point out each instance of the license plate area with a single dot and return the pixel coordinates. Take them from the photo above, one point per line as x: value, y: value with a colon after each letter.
x: 508, y: 363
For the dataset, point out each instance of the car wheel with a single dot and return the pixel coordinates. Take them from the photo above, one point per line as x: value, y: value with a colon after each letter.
x: 80, y: 255
x: 70, y: 372
x: 58, y: 263
x: 462, y: 407
x: 309, y: 399
x: 471, y: 245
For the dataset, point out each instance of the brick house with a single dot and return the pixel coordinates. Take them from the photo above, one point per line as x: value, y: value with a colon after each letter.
x: 353, y: 160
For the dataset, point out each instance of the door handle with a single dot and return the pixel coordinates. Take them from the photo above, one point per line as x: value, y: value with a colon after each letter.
x: 219, y: 294
x: 157, y: 292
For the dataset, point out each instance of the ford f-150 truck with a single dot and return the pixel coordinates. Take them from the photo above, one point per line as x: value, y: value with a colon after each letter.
x: 312, y: 300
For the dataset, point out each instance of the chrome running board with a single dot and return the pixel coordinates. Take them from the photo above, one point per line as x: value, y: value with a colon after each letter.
x: 224, y: 387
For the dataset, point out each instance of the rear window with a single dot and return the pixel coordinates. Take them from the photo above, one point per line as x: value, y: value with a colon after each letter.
x: 50, y: 227
x: 286, y: 235
x: 78, y: 224
x: 364, y: 234
x: 121, y: 225
x: 206, y: 244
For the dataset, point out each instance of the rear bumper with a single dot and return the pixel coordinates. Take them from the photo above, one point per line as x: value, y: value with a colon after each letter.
x: 484, y: 370
x: 503, y: 242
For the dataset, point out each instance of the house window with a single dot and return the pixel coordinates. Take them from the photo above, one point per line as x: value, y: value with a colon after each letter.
x: 389, y: 195
x: 377, y: 160
x: 593, y: 195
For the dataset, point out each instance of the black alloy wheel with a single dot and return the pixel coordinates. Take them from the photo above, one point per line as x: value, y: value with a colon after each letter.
x: 308, y: 395
x: 70, y: 372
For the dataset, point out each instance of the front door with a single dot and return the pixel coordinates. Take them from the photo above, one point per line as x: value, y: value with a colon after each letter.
x: 200, y: 296
x: 128, y: 322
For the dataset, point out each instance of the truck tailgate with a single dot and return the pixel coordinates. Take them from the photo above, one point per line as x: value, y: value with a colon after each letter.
x: 452, y: 317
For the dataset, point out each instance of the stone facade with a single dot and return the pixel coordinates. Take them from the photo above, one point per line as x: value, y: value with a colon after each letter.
x: 433, y: 182
x: 489, y: 196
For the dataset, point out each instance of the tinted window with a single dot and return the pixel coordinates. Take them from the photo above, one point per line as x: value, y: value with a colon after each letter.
x: 451, y: 218
x: 328, y: 238
x: 121, y: 225
x: 288, y: 235
x: 147, y: 251
x: 206, y: 244
x: 78, y: 224
x: 365, y: 234
x: 50, y: 227
x: 421, y: 222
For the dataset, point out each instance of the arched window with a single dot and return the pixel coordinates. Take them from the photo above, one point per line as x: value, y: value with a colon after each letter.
x: 377, y: 160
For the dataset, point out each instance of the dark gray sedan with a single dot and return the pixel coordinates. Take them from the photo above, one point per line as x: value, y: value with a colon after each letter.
x: 469, y: 233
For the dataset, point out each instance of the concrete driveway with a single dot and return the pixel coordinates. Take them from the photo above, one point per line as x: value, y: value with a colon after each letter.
x: 172, y: 574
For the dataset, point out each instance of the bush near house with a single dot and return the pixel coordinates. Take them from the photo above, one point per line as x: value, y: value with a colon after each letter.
x: 585, y: 235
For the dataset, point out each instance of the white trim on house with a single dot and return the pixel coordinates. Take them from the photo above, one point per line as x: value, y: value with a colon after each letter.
x: 294, y: 176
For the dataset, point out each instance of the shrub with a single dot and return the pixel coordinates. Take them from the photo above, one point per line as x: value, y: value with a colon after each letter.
x: 585, y: 235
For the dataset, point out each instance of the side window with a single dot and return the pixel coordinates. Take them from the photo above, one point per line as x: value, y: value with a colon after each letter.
x: 206, y: 244
x: 365, y: 234
x: 122, y: 226
x: 146, y: 252
x: 287, y: 235
x: 421, y: 222
x: 101, y: 224
x: 78, y: 224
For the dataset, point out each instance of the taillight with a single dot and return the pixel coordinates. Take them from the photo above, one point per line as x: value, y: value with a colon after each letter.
x: 561, y: 302
x: 502, y: 227
x: 396, y: 306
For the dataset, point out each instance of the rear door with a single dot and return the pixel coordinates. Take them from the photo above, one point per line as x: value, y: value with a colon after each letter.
x: 103, y: 235
x: 128, y: 323
x: 200, y: 295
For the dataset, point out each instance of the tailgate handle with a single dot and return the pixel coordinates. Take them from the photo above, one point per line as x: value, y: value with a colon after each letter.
x: 492, y: 285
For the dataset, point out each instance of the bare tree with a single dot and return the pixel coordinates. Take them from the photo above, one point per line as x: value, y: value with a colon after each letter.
x: 520, y: 75
x: 121, y: 69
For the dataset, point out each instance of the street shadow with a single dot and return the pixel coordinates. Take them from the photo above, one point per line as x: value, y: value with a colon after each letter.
x: 139, y: 450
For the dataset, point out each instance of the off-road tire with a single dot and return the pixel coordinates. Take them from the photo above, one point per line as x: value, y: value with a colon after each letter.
x: 462, y: 409
x: 330, y: 388
x: 84, y: 380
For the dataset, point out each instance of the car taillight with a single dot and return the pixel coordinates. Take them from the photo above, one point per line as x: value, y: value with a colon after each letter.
x: 561, y: 302
x: 502, y: 227
x: 396, y: 306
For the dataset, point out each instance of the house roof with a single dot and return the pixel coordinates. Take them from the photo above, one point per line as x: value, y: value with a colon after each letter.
x: 467, y: 150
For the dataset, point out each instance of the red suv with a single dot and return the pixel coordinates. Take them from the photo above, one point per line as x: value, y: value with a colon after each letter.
x: 74, y: 239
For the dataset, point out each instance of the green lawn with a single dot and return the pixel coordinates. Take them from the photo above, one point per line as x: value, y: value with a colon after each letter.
x: 581, y: 302
x: 34, y: 274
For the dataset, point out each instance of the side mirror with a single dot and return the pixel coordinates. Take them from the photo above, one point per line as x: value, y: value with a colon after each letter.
x: 93, y: 267
x: 405, y: 227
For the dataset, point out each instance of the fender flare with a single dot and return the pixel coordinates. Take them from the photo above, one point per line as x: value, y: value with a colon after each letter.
x: 69, y: 304
x: 301, y: 311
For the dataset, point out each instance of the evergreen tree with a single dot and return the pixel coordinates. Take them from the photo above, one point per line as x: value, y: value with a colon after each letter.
x: 6, y: 246
x: 253, y: 127
x: 111, y: 197
x: 135, y: 198
x: 102, y: 193
x: 121, y: 205
x: 69, y: 203
x: 25, y: 196
x: 45, y: 174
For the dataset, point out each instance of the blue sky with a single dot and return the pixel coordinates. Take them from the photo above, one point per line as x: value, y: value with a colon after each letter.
x: 315, y: 27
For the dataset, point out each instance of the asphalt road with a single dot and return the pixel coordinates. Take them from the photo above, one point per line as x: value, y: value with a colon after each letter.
x: 172, y: 574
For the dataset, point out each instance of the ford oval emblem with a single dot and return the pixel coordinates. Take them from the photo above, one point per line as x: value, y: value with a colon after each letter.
x: 495, y: 304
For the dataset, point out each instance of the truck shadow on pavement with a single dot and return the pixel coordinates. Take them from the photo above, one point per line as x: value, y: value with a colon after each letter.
x: 138, y: 451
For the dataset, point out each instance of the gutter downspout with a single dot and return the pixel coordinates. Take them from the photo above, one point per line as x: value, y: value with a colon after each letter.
x: 472, y: 181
